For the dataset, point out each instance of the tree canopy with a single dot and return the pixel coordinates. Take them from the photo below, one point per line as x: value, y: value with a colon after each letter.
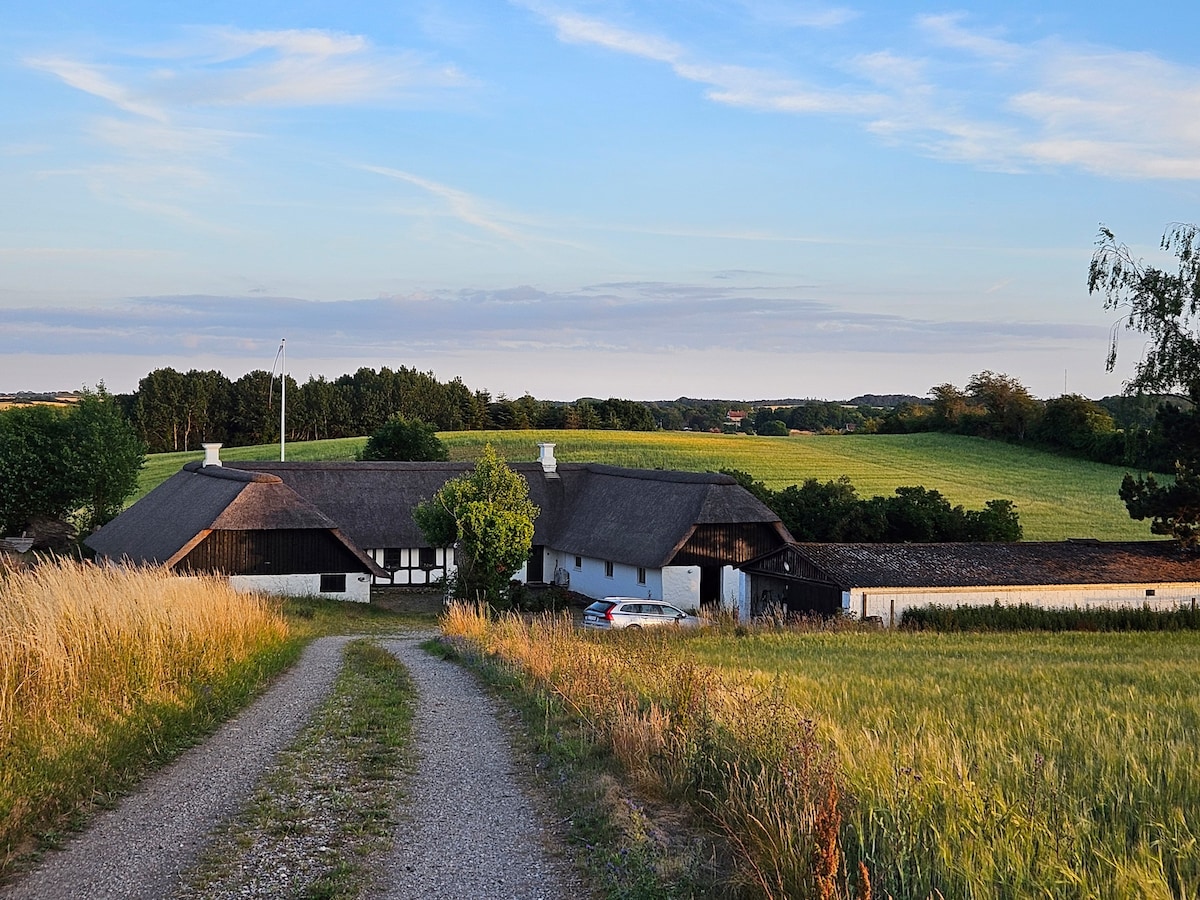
x: 833, y: 511
x: 79, y: 463
x: 1161, y: 304
x: 488, y: 516
x: 1165, y: 306
x: 405, y: 439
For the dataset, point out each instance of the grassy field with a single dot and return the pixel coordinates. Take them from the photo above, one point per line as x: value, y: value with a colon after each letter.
x: 989, y: 767
x: 1056, y: 497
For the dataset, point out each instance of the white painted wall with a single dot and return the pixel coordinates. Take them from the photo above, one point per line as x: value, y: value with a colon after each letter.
x: 588, y: 577
x: 681, y: 586
x: 358, y: 586
x: 890, y: 603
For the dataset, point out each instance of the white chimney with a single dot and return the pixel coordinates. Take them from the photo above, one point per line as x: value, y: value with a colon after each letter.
x: 212, y: 454
x: 546, y: 458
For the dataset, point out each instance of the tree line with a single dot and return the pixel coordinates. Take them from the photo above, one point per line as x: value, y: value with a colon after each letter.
x: 1120, y: 431
x: 832, y: 512
x: 175, y: 410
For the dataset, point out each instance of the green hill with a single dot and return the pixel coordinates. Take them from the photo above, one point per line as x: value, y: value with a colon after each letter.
x: 1056, y: 497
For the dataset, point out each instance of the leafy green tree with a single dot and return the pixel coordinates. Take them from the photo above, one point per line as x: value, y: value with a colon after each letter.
x: 36, y: 471
x: 1162, y: 304
x: 1165, y: 306
x: 59, y: 464
x: 488, y: 516
x: 405, y: 439
x: 1009, y: 408
x: 105, y: 455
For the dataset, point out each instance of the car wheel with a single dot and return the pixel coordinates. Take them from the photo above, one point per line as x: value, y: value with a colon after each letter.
x: 633, y: 627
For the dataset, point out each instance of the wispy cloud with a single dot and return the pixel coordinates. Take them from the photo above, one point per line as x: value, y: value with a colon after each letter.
x: 222, y: 67
x: 728, y: 84
x: 965, y: 93
x: 624, y: 316
x: 462, y: 205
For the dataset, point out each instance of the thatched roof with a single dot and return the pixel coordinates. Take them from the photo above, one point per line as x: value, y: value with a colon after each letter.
x: 965, y: 565
x: 162, y: 527
x: 635, y: 516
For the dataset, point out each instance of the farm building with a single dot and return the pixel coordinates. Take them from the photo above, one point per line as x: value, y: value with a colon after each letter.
x: 602, y: 530
x: 883, y: 580
x: 247, y: 525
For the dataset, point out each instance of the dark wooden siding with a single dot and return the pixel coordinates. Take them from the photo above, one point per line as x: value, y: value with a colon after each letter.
x: 276, y: 552
x: 727, y: 545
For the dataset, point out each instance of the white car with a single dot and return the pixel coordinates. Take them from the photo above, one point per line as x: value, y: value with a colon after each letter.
x: 632, y: 612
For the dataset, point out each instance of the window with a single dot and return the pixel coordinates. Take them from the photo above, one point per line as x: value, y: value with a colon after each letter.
x: 428, y: 558
x: 579, y: 562
x: 641, y: 575
x: 608, y: 568
x: 333, y: 584
x: 391, y: 558
x: 1149, y: 592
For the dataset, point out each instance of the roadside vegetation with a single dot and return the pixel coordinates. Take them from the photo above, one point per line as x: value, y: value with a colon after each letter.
x: 843, y: 763
x: 105, y: 673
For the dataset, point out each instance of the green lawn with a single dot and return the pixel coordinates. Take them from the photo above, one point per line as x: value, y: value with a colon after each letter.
x: 1056, y: 497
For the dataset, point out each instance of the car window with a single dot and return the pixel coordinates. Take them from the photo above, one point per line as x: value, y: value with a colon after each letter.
x: 672, y: 611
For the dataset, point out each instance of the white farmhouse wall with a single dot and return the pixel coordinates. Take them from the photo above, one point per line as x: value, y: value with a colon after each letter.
x: 732, y: 589
x: 358, y: 586
x: 889, y: 603
x: 590, y: 579
x: 681, y: 586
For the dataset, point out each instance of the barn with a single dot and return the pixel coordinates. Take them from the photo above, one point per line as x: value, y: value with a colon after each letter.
x: 882, y: 580
x: 247, y: 525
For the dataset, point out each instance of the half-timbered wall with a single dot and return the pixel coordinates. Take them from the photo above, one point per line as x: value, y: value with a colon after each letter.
x: 414, y: 566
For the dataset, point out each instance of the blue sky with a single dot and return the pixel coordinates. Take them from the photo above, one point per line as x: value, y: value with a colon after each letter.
x: 734, y: 199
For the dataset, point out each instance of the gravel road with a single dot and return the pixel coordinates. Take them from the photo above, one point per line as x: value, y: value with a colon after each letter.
x: 140, y: 849
x: 467, y: 831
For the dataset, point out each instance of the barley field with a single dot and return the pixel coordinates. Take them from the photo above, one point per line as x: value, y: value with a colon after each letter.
x: 989, y: 767
x: 103, y: 672
x: 1056, y: 497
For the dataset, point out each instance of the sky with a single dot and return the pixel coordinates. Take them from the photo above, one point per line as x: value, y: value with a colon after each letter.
x: 750, y: 199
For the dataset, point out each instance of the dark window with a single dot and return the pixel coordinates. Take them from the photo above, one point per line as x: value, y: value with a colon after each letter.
x: 391, y: 558
x: 333, y: 584
x: 641, y: 575
x: 579, y: 562
x: 608, y: 568
x: 428, y: 558
x: 1149, y: 592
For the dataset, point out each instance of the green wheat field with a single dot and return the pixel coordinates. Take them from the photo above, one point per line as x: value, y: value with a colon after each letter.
x: 1056, y: 497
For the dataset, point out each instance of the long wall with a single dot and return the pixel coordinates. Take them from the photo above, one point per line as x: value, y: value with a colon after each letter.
x: 358, y: 586
x: 889, y: 603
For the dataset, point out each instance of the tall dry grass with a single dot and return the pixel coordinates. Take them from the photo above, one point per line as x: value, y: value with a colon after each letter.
x: 102, y: 668
x: 745, y: 759
x: 850, y: 763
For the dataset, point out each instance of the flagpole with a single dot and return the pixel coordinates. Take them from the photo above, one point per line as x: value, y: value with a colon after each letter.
x: 282, y: 396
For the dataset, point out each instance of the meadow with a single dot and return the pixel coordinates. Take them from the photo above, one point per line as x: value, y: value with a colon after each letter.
x: 966, y: 766
x: 104, y: 673
x: 1057, y: 497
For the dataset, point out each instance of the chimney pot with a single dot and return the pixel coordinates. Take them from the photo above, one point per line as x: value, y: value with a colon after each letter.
x: 546, y: 458
x: 212, y: 454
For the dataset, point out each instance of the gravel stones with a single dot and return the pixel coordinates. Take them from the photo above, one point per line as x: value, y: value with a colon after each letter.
x: 468, y: 830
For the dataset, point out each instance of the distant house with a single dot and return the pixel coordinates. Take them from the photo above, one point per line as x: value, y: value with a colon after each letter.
x: 883, y: 580
x: 602, y: 530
